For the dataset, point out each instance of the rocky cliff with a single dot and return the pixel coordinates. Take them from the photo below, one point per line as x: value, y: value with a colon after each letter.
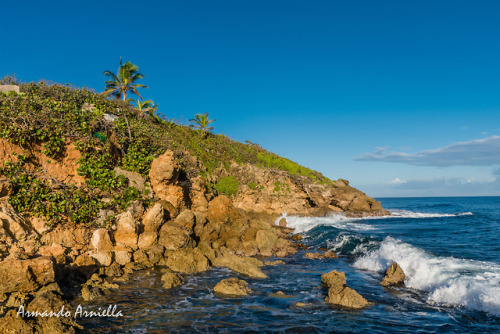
x: 85, y: 199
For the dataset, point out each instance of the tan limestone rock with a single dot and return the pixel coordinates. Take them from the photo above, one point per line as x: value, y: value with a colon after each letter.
x: 244, y: 265
x: 186, y: 261
x: 221, y: 210
x: 154, y: 218
x: 101, y: 240
x: 171, y: 280
x: 232, y: 287
x: 393, y: 275
x: 126, y: 230
x: 26, y: 275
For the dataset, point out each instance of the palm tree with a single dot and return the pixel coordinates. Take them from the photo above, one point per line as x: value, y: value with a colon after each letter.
x: 120, y: 84
x: 201, y: 122
x: 143, y: 106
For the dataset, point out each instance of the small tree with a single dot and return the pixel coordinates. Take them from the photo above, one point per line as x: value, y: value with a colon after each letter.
x: 143, y: 106
x: 124, y: 81
x: 202, y: 122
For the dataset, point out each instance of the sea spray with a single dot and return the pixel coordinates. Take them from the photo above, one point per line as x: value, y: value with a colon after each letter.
x: 447, y: 281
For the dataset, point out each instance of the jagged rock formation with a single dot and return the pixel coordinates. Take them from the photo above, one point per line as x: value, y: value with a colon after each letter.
x: 393, y: 275
x: 340, y: 294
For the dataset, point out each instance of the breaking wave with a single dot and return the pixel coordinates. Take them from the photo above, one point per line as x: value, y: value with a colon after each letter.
x: 447, y: 281
x: 341, y: 221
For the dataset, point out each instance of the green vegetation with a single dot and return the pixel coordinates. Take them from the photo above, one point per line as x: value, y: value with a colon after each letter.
x: 202, y: 122
x: 34, y: 196
x: 252, y: 185
x: 143, y: 106
x: 124, y: 81
x: 227, y: 185
x: 48, y: 116
x: 280, y: 187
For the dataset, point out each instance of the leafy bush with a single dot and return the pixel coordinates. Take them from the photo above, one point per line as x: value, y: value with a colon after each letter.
x: 34, y: 196
x: 227, y: 185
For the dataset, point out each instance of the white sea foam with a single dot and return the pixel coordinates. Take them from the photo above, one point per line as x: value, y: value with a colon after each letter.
x: 339, y: 220
x: 410, y: 214
x: 448, y: 281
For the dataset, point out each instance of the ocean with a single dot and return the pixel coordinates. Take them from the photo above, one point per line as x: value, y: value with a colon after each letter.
x: 449, y: 248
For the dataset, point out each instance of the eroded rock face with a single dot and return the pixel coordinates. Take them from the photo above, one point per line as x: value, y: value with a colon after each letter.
x: 339, y: 293
x: 164, y: 176
x: 173, y: 236
x: 103, y: 258
x: 12, y: 222
x: 186, y: 261
x: 277, y: 192
x: 5, y: 187
x: 26, y: 275
x: 232, y: 287
x: 154, y: 218
x: 126, y: 230
x: 49, y: 301
x: 221, y: 210
x: 393, y: 275
x: 101, y: 240
x: 63, y: 169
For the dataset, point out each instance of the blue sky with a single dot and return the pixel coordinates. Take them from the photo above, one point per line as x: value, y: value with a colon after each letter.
x: 377, y: 92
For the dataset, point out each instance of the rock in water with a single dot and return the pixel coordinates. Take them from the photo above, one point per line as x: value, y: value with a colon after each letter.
x: 393, y: 275
x: 244, y: 265
x: 347, y: 297
x: 340, y: 294
x: 232, y: 286
x: 325, y: 255
x: 334, y: 279
x: 171, y: 280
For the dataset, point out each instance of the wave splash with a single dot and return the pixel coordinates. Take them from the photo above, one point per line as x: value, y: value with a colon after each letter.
x: 341, y: 221
x: 337, y: 220
x: 447, y: 281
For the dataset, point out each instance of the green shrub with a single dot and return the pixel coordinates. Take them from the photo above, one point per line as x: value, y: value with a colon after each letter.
x: 227, y: 185
x: 34, y: 196
x: 252, y: 185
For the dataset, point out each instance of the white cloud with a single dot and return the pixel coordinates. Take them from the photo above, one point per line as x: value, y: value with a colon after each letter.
x: 478, y: 152
x: 397, y: 180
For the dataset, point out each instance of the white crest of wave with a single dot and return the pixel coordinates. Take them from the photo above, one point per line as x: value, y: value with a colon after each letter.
x: 448, y: 281
x: 410, y: 214
x: 338, y: 220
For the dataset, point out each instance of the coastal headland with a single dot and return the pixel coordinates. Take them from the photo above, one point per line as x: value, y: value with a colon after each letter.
x: 92, y: 190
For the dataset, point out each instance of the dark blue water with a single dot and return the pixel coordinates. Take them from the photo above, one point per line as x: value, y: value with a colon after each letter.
x: 449, y: 249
